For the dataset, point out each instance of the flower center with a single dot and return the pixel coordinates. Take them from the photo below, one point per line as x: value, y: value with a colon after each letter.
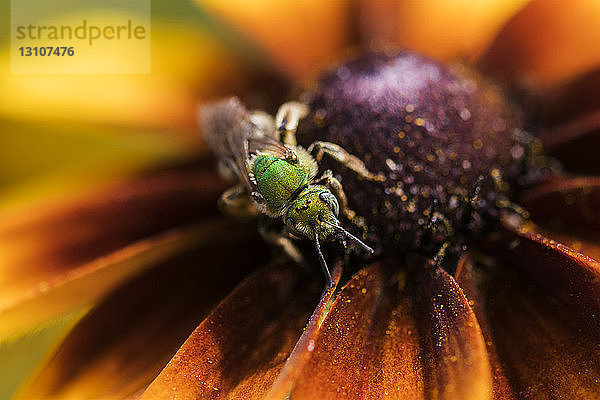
x: 449, y: 143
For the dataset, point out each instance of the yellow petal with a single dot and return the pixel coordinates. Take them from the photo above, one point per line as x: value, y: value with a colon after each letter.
x: 298, y: 34
x: 444, y: 29
x: 188, y: 61
x: 547, y: 43
x: 43, y: 160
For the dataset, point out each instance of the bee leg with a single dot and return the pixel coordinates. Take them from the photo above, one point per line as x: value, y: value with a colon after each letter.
x: 335, y: 187
x: 439, y: 258
x: 319, y: 149
x: 264, y: 123
x: 281, y: 241
x: 286, y: 121
x: 235, y: 203
x: 517, y: 213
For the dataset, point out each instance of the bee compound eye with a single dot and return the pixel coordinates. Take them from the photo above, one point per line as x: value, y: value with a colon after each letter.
x: 329, y: 199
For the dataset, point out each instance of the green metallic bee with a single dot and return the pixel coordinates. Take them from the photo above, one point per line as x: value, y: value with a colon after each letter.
x: 279, y: 176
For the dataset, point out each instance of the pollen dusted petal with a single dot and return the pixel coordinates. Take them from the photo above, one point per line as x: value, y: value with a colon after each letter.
x: 124, y: 342
x: 567, y: 209
x: 240, y: 348
x: 61, y: 256
x: 373, y: 345
x: 300, y: 35
x: 456, y: 363
x: 441, y: 36
x: 353, y: 348
x: 542, y: 350
x: 547, y: 43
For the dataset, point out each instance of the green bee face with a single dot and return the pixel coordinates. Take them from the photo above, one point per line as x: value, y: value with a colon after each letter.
x: 314, y: 211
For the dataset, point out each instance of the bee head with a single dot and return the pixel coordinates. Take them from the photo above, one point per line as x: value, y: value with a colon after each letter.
x: 314, y: 215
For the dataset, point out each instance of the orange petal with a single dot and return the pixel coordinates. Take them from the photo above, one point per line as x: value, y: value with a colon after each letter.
x: 577, y: 224
x: 239, y: 349
x: 457, y: 366
x: 547, y: 43
x: 300, y: 35
x: 372, y: 345
x: 61, y: 256
x: 123, y: 343
x: 540, y: 344
x: 467, y: 279
x: 444, y: 29
x: 564, y: 273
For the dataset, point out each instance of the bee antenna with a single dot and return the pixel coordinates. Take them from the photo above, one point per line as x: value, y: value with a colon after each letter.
x: 320, y: 254
x: 351, y: 236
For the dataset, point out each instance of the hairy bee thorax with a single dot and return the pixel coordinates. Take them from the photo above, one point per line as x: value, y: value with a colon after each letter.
x: 450, y: 146
x: 278, y: 178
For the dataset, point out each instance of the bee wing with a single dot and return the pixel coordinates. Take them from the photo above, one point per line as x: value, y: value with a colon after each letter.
x: 226, y: 126
x: 266, y: 144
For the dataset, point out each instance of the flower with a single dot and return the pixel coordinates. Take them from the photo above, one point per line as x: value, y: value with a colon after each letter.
x: 518, y: 318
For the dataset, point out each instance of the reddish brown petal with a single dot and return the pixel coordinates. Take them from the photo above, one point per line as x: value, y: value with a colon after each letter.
x: 239, y: 349
x: 567, y: 275
x: 541, y: 347
x: 568, y: 102
x: 568, y: 209
x: 575, y: 143
x: 372, y: 345
x: 305, y: 345
x: 571, y: 114
x: 132, y: 333
x: 122, y: 344
x: 300, y: 35
x: 547, y: 42
x: 565, y: 203
x: 71, y: 252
